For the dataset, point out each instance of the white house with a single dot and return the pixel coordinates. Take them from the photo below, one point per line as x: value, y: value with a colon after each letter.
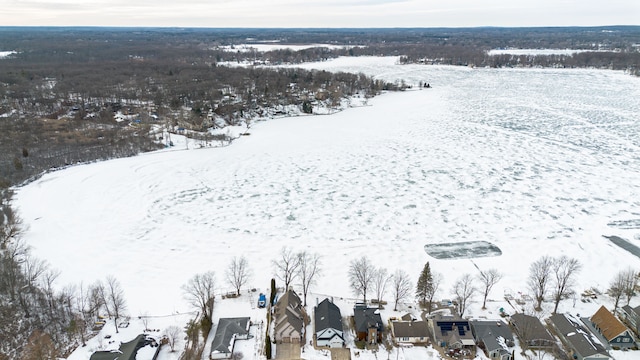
x: 328, y: 325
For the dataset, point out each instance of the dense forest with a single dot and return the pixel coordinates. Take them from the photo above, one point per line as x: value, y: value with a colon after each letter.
x: 71, y: 95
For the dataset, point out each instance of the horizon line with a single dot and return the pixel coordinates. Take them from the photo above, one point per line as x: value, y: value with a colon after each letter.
x: 311, y: 28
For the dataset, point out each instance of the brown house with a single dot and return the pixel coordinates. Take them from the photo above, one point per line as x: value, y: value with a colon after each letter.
x: 610, y: 328
x: 368, y: 323
x: 290, y: 318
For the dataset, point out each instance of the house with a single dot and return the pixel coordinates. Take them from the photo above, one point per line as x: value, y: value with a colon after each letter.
x: 228, y: 331
x: 410, y: 331
x: 611, y: 330
x: 127, y: 351
x: 631, y: 317
x: 494, y: 337
x: 578, y: 341
x: 368, y: 323
x: 328, y: 325
x: 531, y: 332
x: 452, y: 332
x: 289, y: 318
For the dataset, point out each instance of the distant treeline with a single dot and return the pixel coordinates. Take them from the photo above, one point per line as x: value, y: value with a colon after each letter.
x: 60, y: 90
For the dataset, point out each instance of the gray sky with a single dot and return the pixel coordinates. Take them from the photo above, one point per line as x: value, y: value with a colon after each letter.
x: 319, y: 13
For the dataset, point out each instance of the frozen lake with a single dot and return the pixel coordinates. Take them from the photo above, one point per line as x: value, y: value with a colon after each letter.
x: 534, y: 161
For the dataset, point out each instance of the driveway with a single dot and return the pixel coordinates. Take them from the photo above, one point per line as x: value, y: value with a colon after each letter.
x: 341, y: 354
x: 286, y: 351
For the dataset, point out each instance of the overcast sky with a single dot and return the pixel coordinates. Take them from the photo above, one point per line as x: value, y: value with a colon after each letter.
x: 319, y: 13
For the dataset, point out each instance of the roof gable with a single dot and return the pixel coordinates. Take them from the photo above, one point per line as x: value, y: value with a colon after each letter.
x: 227, y: 328
x: 531, y: 327
x: 366, y: 317
x: 289, y: 312
x: 578, y: 337
x: 409, y: 329
x: 127, y: 350
x: 608, y: 324
x: 493, y: 334
x: 327, y: 315
x: 496, y: 328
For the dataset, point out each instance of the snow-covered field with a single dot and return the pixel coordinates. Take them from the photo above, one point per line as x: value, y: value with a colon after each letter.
x: 533, y: 161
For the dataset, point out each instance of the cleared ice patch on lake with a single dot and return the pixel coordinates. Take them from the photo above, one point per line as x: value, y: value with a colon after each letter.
x: 462, y: 250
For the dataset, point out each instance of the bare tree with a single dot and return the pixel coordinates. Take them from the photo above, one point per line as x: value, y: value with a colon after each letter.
x: 15, y: 249
x: 199, y: 291
x: 145, y: 320
x: 630, y: 284
x: 173, y: 333
x: 616, y: 288
x: 286, y: 266
x: 361, y: 273
x: 310, y: 266
x: 48, y: 278
x: 436, y: 281
x: 82, y: 308
x: 66, y: 297
x: 33, y: 268
x: 538, y: 280
x: 10, y: 229
x: 564, y: 270
x: 401, y: 287
x: 488, y: 278
x: 114, y: 299
x: 96, y: 298
x: 463, y: 291
x: 381, y: 279
x: 238, y: 273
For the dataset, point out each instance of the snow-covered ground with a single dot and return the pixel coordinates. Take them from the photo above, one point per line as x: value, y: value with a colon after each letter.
x: 263, y: 47
x: 4, y: 54
x: 534, y: 161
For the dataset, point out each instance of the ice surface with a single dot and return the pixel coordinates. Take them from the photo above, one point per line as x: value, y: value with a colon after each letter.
x: 534, y: 161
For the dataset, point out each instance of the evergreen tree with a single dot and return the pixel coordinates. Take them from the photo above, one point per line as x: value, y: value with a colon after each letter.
x: 273, y: 291
x: 267, y: 345
x: 425, y: 284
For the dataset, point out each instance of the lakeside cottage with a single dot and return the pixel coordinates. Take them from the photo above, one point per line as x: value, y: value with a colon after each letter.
x: 631, y: 317
x: 290, y: 318
x: 368, y: 323
x: 328, y: 325
x: 228, y: 331
x: 581, y: 344
x: 452, y: 332
x: 410, y: 331
x: 609, y: 329
x: 127, y: 351
x: 531, y: 332
x: 494, y: 337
